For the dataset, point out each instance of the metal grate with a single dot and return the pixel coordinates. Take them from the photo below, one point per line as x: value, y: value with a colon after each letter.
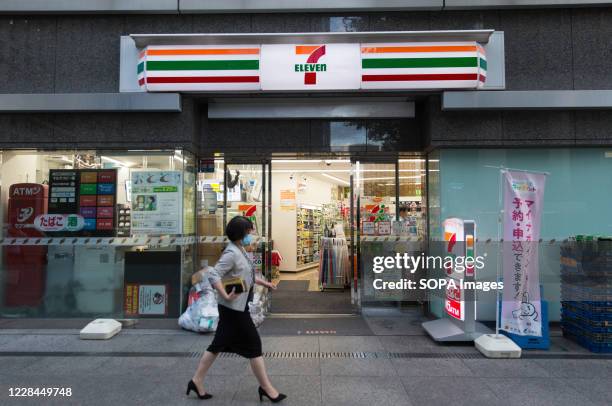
x: 296, y: 355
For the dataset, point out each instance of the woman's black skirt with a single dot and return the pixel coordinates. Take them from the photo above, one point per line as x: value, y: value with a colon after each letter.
x: 236, y: 333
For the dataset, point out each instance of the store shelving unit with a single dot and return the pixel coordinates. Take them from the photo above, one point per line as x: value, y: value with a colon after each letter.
x: 308, y: 237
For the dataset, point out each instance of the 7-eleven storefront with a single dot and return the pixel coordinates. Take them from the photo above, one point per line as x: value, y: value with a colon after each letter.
x: 341, y: 86
x: 319, y: 138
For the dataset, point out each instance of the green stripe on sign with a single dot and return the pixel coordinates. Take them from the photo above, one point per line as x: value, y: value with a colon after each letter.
x: 467, y: 62
x: 204, y: 65
x: 483, y: 64
x: 140, y: 67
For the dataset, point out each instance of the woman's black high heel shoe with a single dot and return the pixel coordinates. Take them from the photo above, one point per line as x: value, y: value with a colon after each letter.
x: 191, y: 386
x: 277, y: 399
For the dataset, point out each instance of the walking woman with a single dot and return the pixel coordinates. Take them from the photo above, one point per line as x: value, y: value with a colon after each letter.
x: 236, y: 332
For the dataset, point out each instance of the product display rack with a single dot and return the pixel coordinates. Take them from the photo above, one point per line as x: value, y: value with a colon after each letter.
x: 332, y: 215
x: 308, y: 236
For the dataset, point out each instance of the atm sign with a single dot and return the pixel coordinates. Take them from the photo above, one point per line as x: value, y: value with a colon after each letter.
x: 453, y: 309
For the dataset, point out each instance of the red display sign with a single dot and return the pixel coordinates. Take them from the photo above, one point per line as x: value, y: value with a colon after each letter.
x: 453, y: 309
x: 25, y: 274
x: 454, y: 302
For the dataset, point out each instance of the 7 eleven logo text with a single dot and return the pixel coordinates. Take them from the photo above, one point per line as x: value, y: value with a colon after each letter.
x: 311, y: 67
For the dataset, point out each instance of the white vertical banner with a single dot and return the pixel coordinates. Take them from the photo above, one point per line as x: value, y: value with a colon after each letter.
x: 523, y: 198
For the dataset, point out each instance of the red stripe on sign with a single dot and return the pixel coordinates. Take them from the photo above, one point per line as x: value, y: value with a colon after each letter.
x: 204, y: 79
x: 310, y: 78
x: 419, y: 77
x: 141, y: 81
x: 482, y: 78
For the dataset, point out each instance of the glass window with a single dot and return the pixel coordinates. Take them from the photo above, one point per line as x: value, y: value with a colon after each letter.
x: 85, y: 229
x: 384, y: 135
x: 576, y: 202
x: 348, y: 24
x: 347, y: 136
x: 412, y: 196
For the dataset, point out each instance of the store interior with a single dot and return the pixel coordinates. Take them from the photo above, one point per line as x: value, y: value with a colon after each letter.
x: 311, y: 231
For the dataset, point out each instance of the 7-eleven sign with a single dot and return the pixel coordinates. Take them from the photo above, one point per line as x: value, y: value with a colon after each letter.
x: 310, y: 66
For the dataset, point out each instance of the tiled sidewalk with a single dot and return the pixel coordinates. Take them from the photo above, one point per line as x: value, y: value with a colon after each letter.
x: 127, y: 371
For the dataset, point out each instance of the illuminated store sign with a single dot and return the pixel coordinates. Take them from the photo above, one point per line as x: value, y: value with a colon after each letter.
x: 297, y: 67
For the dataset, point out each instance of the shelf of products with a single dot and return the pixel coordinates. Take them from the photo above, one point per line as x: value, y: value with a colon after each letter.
x: 334, y: 216
x: 308, y: 235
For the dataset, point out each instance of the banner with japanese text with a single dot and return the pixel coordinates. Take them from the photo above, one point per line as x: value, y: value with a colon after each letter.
x: 523, y: 198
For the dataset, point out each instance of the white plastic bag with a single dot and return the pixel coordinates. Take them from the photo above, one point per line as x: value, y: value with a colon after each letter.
x: 205, y: 311
x: 202, y: 314
x: 257, y: 308
x: 186, y: 322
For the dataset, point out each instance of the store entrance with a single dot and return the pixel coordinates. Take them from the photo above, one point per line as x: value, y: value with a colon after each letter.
x: 319, y: 221
x: 311, y: 230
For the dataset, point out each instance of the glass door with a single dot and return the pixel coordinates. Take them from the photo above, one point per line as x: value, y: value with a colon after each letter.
x: 228, y: 189
x: 375, y: 210
x: 388, y: 210
x: 246, y: 192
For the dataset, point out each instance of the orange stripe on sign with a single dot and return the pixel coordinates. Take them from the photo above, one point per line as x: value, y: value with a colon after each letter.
x: 305, y: 49
x: 218, y: 51
x: 435, y: 48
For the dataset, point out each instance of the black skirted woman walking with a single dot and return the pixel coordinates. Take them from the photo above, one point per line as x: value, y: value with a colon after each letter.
x: 236, y: 332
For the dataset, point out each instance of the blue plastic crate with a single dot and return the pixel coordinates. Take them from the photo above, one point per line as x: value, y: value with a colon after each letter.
x: 588, y: 344
x: 579, y: 329
x: 588, y: 324
x: 600, y: 308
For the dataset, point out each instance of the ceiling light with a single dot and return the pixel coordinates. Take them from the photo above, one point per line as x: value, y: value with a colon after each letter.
x: 336, y: 179
x: 391, y: 177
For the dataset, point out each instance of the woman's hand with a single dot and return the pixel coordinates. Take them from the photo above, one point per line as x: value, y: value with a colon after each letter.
x: 230, y: 296
x: 226, y: 296
x: 264, y: 282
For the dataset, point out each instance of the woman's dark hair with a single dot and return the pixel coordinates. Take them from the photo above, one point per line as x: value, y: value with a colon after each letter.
x: 238, y: 228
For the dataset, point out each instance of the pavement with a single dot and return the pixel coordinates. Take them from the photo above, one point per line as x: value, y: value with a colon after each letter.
x: 394, y: 365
